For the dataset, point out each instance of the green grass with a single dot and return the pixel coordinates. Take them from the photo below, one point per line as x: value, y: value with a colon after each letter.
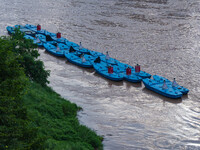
x: 56, y: 120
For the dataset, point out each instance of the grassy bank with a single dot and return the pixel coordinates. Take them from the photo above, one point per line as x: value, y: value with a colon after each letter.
x: 32, y: 115
x: 56, y: 121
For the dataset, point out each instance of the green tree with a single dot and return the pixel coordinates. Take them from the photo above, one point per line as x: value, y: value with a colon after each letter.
x: 34, y: 68
x: 16, y: 131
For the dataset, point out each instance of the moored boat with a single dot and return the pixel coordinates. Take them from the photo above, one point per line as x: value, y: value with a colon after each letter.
x: 37, y: 29
x: 69, y: 43
x: 78, y: 60
x: 79, y: 47
x: 107, y: 72
x: 59, y: 40
x: 101, y: 58
x: 11, y: 30
x: 96, y: 54
x: 162, y: 88
x: 173, y: 84
x: 36, y: 40
x: 127, y: 74
x: 57, y: 50
x: 131, y: 77
x: 139, y: 73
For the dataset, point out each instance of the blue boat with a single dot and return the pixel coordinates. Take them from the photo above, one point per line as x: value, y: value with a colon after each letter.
x: 173, y: 84
x: 99, y: 57
x: 106, y: 58
x: 103, y: 70
x: 36, y: 40
x: 79, y: 47
x: 19, y: 26
x: 47, y: 39
x: 41, y: 31
x: 41, y: 37
x: 96, y: 54
x: 29, y: 26
x: 59, y: 40
x: 50, y: 37
x: 78, y: 60
x: 90, y: 58
x: 141, y: 74
x: 162, y: 88
x: 59, y: 46
x: 25, y: 30
x: 97, y: 60
x: 82, y: 50
x: 57, y: 50
x: 11, y: 30
x: 69, y: 43
x: 131, y: 77
x: 111, y: 61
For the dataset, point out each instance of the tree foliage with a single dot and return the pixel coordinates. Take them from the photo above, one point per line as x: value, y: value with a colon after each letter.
x: 34, y: 68
x: 32, y: 112
x: 16, y: 131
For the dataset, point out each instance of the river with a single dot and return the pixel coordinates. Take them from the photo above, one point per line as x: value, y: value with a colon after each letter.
x: 160, y: 35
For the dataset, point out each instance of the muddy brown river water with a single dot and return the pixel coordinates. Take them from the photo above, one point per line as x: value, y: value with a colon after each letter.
x: 161, y: 35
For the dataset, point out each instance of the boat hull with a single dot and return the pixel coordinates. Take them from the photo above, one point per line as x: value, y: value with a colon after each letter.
x: 56, y: 52
x: 72, y: 58
x: 102, y: 70
x: 157, y: 87
x: 161, y: 79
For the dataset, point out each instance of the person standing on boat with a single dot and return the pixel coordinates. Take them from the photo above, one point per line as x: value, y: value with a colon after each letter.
x: 107, y: 56
x: 174, y: 84
x: 83, y: 58
x: 57, y: 48
x: 38, y: 40
x: 80, y: 46
x: 164, y: 87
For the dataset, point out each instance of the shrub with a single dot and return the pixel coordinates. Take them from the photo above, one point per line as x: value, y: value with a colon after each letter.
x: 16, y: 130
x: 34, y: 68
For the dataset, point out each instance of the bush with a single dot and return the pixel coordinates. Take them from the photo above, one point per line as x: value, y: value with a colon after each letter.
x: 69, y: 110
x: 56, y: 119
x: 16, y: 130
x: 34, y: 68
x: 32, y: 115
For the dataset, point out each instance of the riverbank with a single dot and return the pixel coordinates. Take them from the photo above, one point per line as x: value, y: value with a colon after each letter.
x: 33, y: 116
x: 56, y: 120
